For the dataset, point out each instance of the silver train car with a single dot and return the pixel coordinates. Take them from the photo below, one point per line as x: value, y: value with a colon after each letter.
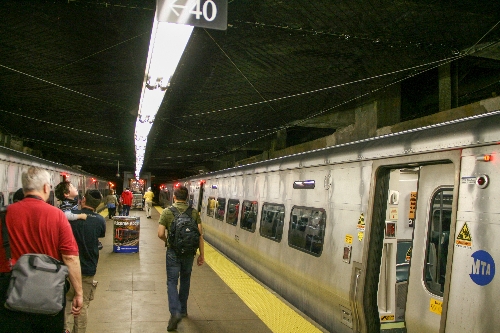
x: 395, y: 233
x: 13, y: 163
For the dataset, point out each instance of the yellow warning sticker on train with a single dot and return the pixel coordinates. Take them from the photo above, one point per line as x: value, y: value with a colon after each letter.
x: 464, y: 238
x: 361, y: 223
x: 436, y: 306
x: 361, y: 234
x: 408, y: 255
x: 348, y: 239
x: 413, y: 205
x: 387, y: 318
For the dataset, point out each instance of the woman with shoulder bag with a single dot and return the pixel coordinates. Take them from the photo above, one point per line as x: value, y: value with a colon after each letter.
x: 111, y: 202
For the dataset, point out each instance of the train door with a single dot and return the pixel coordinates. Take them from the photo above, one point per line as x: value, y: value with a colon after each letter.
x: 200, y: 196
x: 430, y: 248
x: 408, y: 249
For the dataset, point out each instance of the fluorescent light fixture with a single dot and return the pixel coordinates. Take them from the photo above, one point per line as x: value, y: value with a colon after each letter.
x: 167, y: 44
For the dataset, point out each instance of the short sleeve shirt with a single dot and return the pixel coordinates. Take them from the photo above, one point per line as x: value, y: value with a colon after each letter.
x: 167, y: 217
x: 37, y: 227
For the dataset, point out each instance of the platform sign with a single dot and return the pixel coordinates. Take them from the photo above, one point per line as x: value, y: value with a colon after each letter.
x: 210, y: 14
x: 126, y: 231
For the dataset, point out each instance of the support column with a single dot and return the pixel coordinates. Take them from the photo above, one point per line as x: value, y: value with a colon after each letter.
x: 444, y: 87
x: 389, y: 106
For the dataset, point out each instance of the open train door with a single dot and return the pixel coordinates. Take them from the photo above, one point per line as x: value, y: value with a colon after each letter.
x: 405, y: 271
x: 430, y: 248
x: 200, y: 196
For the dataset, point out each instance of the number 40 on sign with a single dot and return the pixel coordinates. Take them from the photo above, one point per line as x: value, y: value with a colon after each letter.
x: 210, y: 14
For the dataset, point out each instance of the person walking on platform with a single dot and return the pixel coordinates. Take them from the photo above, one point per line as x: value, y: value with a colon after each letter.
x: 178, y: 265
x: 148, y: 199
x: 37, y: 227
x: 126, y: 200
x: 87, y: 234
x: 111, y: 202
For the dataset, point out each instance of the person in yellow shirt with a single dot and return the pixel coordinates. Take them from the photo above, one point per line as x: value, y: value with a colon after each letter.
x: 148, y: 198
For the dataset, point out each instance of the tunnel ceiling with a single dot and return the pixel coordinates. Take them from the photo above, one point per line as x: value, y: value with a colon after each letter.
x: 71, y: 74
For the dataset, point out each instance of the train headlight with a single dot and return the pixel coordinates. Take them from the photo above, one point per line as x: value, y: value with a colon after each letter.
x: 483, y: 181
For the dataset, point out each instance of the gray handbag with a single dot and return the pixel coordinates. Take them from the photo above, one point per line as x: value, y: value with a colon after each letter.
x: 37, y: 283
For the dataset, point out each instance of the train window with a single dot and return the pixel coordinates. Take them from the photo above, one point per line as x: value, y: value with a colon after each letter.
x: 164, y: 198
x: 307, y: 229
x: 211, y: 206
x: 233, y: 210
x: 271, y: 221
x: 2, y: 201
x: 220, y: 209
x: 191, y: 199
x: 249, y: 215
x: 403, y: 257
x: 11, y: 197
x: 438, y: 240
x: 51, y: 198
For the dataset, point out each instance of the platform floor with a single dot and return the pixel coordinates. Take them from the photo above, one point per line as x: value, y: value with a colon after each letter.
x: 131, y: 295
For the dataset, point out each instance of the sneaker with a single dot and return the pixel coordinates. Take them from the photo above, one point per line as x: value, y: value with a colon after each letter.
x: 172, y: 323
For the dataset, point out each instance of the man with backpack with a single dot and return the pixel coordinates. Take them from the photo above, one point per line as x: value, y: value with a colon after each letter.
x: 180, y: 228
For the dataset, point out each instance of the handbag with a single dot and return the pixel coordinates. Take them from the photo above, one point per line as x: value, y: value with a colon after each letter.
x: 37, y: 283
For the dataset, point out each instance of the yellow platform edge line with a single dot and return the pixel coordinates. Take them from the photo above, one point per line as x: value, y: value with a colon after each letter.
x: 273, y: 312
x: 104, y: 213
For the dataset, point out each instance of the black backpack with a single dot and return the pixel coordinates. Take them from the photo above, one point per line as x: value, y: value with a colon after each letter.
x: 184, y: 236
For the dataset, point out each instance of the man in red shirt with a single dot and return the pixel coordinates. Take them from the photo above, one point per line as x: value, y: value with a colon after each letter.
x: 126, y: 198
x: 34, y: 226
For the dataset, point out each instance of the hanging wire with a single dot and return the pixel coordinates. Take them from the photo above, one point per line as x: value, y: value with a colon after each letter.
x: 441, y: 61
x: 436, y: 64
x: 62, y: 87
x: 54, y: 124
x: 264, y: 101
x: 98, y: 52
x: 108, y: 4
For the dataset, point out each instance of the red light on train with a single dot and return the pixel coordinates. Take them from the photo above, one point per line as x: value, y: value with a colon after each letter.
x: 485, y: 158
x: 177, y: 185
x: 93, y: 180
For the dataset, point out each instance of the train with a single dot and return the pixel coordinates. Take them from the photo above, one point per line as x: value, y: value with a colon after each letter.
x: 126, y: 236
x: 13, y: 163
x: 396, y: 233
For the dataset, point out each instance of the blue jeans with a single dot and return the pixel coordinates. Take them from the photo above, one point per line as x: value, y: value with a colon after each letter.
x: 178, y: 267
x: 126, y: 210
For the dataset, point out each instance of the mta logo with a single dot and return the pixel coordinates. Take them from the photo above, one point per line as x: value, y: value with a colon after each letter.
x: 483, y: 268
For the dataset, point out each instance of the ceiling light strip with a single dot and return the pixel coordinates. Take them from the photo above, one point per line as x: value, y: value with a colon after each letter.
x: 166, y: 46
